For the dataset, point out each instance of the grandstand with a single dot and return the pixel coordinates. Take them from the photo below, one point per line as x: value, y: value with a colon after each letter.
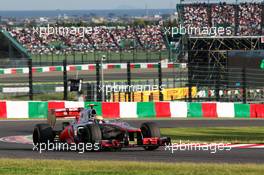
x: 120, y: 44
x: 135, y: 42
x: 100, y: 38
x: 245, y: 19
x: 208, y: 55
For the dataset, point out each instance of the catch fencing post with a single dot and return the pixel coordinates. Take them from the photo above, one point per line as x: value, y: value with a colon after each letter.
x: 217, y: 88
x: 160, y: 82
x: 129, y: 81
x: 98, y: 89
x: 244, y: 85
x: 30, y: 79
x: 190, y: 82
x: 65, y: 80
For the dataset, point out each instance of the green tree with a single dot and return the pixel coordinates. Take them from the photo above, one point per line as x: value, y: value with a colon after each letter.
x: 139, y: 22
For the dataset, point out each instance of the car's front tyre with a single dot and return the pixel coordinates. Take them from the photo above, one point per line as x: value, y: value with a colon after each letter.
x: 149, y: 130
x: 92, y: 135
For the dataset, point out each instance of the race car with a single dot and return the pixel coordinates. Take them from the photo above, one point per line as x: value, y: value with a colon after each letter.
x: 88, y: 127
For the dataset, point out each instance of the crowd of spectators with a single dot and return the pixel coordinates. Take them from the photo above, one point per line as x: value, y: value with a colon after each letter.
x: 223, y: 15
x: 248, y: 15
x: 100, y: 38
x: 150, y: 37
x: 243, y: 19
x: 250, y: 19
x: 195, y: 15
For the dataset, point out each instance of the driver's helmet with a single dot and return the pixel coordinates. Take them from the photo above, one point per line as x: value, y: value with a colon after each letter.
x: 92, y: 113
x: 87, y: 114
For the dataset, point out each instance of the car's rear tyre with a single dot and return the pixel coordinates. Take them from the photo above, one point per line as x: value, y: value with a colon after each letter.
x: 92, y: 135
x: 150, y: 129
x: 42, y: 133
x: 65, y: 124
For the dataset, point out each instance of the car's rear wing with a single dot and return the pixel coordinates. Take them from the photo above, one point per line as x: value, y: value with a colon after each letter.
x: 67, y: 112
x: 62, y: 113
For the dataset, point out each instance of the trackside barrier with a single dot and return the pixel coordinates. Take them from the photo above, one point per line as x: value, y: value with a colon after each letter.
x: 151, y: 110
x: 89, y: 67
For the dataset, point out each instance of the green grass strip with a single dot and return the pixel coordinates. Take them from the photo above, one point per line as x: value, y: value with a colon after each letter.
x: 216, y: 134
x: 68, y: 167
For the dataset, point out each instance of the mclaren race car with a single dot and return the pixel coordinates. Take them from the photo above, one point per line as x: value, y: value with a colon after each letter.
x: 87, y: 127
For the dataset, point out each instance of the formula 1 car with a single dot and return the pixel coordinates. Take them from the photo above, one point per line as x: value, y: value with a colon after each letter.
x: 87, y: 127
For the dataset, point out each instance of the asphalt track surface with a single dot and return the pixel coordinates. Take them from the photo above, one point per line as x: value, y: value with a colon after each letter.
x: 15, y: 150
x: 115, y: 74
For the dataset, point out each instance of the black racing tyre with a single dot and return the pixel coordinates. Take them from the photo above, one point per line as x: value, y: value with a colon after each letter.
x: 42, y: 133
x: 150, y: 129
x: 65, y: 124
x: 92, y: 134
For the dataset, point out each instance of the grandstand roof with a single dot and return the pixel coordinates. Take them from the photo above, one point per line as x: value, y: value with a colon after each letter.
x: 9, y: 44
x: 206, y: 2
x: 223, y: 37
